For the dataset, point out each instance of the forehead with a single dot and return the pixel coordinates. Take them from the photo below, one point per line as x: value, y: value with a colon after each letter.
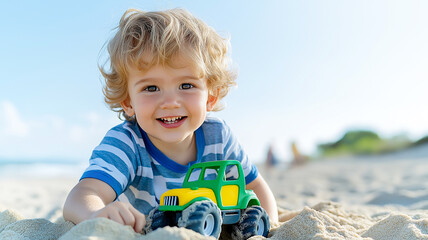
x: 182, y: 59
x: 179, y: 64
x: 159, y: 72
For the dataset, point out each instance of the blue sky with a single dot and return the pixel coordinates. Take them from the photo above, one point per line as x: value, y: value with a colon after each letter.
x: 308, y: 71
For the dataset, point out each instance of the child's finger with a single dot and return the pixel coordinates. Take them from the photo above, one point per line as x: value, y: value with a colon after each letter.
x: 127, y: 216
x: 115, y: 216
x: 140, y: 220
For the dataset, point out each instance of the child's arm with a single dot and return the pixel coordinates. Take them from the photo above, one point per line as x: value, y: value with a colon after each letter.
x: 92, y: 198
x: 265, y: 195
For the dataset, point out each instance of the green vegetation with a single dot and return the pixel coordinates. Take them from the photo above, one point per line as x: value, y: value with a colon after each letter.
x: 363, y: 142
x: 421, y: 141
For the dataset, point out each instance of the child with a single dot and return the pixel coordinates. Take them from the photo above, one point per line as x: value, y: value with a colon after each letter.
x: 167, y: 70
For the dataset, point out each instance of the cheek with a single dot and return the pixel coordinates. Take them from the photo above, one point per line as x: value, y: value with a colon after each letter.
x: 144, y: 105
x: 198, y: 101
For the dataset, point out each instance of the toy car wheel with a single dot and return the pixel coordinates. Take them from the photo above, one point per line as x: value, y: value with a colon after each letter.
x: 156, y: 219
x: 203, y: 217
x: 254, y: 221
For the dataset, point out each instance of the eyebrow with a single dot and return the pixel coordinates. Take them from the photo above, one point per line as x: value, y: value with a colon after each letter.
x: 190, y: 77
x: 143, y: 80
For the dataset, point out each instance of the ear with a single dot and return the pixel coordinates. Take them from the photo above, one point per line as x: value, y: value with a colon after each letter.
x: 212, y: 100
x: 127, y: 107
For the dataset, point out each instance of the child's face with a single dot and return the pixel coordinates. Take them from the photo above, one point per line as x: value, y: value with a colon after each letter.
x: 169, y: 103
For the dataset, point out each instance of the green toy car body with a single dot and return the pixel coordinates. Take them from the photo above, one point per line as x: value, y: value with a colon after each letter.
x: 213, y: 194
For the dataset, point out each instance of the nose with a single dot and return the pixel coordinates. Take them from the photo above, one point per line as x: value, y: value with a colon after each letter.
x: 170, y: 100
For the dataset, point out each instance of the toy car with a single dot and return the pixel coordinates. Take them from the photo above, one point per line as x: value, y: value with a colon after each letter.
x: 213, y: 197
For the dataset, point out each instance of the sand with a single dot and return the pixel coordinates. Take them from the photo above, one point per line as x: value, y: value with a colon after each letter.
x: 366, y: 198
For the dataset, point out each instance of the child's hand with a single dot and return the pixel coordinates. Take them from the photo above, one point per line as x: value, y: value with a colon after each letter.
x: 123, y: 213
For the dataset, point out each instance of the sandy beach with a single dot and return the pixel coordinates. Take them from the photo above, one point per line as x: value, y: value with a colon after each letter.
x: 378, y: 197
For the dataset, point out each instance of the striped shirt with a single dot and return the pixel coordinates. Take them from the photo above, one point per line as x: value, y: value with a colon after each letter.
x: 140, y: 173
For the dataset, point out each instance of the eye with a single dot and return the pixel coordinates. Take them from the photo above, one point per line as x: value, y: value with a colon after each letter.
x: 151, y: 88
x: 186, y: 86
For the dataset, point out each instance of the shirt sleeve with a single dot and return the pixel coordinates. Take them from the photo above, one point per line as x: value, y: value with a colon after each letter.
x: 234, y: 151
x: 114, y: 160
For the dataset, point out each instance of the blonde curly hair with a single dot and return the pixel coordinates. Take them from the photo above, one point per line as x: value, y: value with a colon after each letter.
x: 164, y: 35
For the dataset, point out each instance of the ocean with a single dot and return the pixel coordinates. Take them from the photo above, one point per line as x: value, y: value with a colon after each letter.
x: 41, y: 168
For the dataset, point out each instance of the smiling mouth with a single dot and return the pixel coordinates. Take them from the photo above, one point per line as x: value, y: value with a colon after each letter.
x: 171, y: 120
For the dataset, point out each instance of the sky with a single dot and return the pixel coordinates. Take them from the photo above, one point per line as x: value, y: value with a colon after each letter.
x: 308, y: 71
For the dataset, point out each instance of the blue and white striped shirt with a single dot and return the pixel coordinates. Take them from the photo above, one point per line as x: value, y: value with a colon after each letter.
x: 140, y: 173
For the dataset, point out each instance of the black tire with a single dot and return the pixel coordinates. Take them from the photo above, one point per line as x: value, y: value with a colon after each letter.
x: 226, y: 232
x: 157, y: 219
x: 203, y: 217
x: 254, y: 221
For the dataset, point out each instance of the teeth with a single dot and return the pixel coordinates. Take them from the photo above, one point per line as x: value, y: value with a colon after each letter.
x: 171, y: 119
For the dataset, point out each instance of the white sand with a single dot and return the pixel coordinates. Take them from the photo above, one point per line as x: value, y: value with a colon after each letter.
x: 373, y: 198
